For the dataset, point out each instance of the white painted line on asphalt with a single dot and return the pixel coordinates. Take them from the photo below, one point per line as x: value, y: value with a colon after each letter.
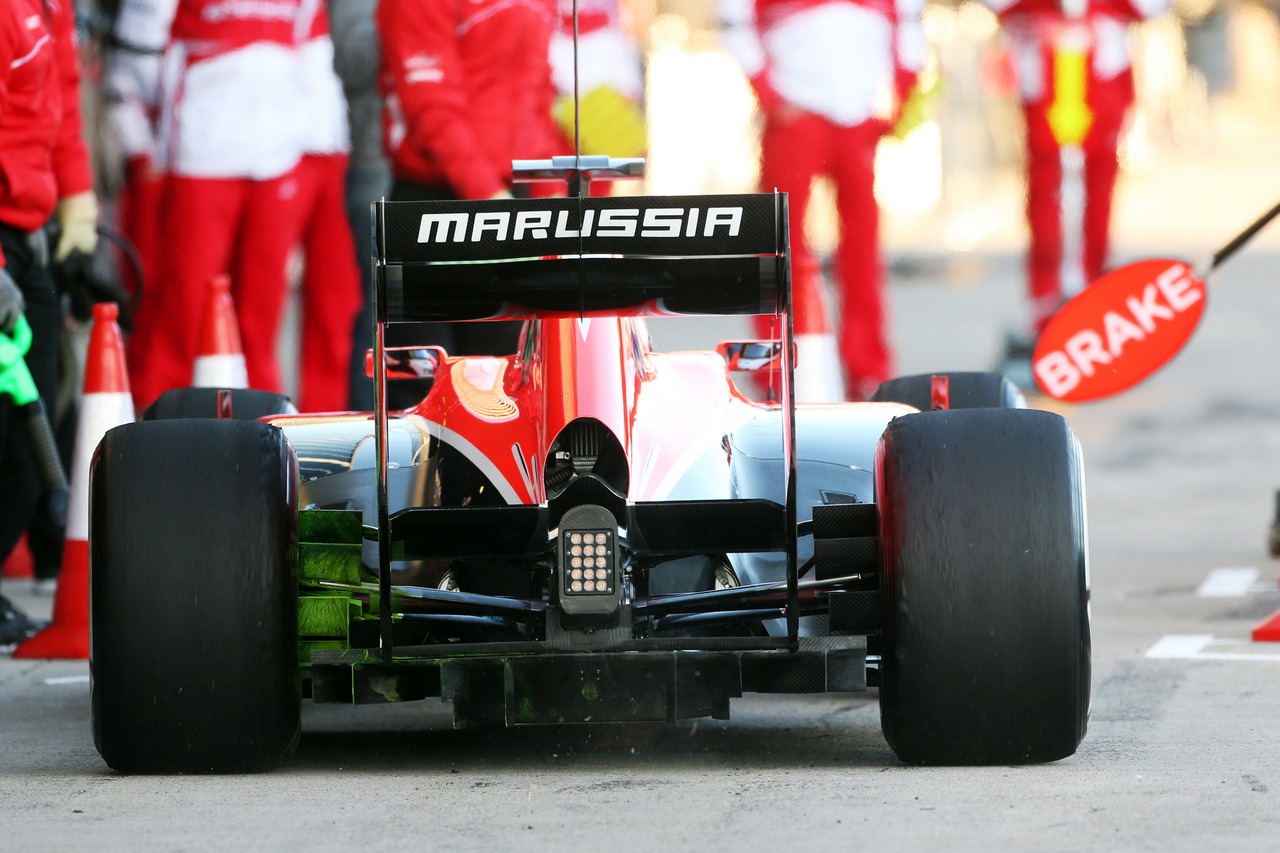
x: 1179, y: 646
x: 1191, y: 647
x: 68, y: 679
x: 1228, y: 583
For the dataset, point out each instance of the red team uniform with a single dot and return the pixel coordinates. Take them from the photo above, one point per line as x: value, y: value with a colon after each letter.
x: 230, y: 112
x: 331, y: 289
x: 467, y: 90
x: 830, y: 76
x: 1069, y: 201
x: 609, y: 76
x: 43, y: 157
x: 606, y: 54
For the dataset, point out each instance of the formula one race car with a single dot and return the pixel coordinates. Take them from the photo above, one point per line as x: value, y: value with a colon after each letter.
x: 589, y: 530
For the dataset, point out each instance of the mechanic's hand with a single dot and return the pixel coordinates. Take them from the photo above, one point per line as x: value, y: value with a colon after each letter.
x: 11, y: 302
x: 500, y: 194
x: 78, y: 218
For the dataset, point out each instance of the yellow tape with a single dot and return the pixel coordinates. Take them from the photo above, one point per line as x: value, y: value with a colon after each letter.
x: 1069, y: 115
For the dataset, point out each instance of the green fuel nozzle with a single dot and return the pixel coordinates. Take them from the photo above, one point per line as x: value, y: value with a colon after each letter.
x: 16, y: 381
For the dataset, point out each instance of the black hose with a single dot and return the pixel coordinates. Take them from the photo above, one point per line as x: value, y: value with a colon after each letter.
x: 53, y: 479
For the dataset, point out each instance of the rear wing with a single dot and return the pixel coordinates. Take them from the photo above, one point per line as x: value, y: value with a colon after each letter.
x: 525, y: 258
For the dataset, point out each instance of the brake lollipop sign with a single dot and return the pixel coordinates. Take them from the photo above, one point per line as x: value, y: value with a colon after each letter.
x: 1118, y: 331
x: 1126, y: 325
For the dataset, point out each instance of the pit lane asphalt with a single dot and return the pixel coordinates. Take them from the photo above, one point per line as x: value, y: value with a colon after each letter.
x: 1183, y: 752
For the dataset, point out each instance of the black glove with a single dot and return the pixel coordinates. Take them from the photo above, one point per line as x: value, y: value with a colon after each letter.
x: 11, y: 302
x: 79, y: 280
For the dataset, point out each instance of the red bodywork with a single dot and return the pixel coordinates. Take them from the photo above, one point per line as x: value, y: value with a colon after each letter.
x: 512, y: 408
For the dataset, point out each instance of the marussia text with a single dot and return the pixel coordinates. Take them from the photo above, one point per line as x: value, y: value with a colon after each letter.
x: 661, y: 222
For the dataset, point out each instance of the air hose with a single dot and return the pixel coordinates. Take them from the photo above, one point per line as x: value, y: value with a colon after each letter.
x: 16, y: 381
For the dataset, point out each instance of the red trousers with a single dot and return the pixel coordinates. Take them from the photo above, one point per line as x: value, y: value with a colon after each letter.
x: 1054, y: 269
x: 210, y: 227
x: 792, y: 154
x: 331, y: 291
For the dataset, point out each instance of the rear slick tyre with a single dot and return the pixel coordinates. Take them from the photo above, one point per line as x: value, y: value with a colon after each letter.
x: 193, y: 597
x: 240, y: 403
x: 966, y: 390
x: 985, y: 573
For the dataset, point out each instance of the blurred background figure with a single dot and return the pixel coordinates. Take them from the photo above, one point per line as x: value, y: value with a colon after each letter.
x: 609, y: 78
x: 46, y: 173
x: 831, y: 77
x: 1075, y: 83
x: 330, y: 287
x: 951, y: 193
x: 129, y: 116
x: 229, y: 114
x: 356, y: 57
x: 467, y: 89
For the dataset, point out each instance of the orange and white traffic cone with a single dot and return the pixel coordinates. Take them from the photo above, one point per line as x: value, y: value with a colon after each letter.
x: 219, y: 359
x: 106, y: 403
x: 818, y: 377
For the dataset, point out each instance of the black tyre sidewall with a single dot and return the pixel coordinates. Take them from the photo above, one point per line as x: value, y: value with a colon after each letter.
x: 193, y: 597
x: 967, y: 390
x: 984, y: 558
x: 246, y: 404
